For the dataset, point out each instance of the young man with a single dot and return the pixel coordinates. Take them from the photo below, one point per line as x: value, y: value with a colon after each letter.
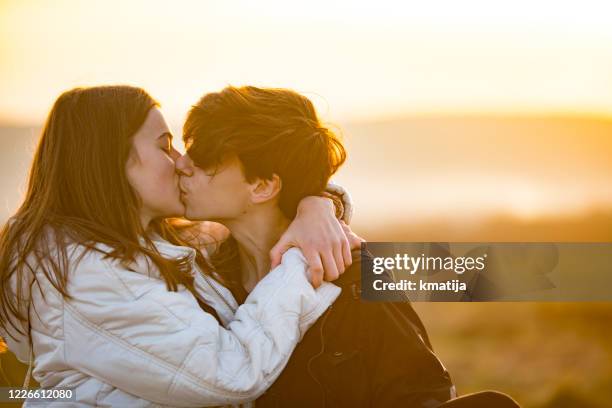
x: 252, y: 155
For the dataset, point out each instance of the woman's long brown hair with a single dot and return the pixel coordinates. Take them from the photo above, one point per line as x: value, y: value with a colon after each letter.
x: 78, y: 192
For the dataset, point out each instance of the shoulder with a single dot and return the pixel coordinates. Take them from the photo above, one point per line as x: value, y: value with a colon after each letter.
x: 93, y: 272
x: 352, y: 274
x: 92, y: 275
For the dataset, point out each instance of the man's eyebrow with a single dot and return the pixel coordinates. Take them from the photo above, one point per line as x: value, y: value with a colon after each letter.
x: 165, y: 134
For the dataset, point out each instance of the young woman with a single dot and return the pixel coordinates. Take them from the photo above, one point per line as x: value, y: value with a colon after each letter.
x: 252, y: 155
x: 100, y: 294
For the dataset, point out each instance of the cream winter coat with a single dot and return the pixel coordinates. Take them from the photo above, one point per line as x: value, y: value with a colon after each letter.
x: 124, y: 340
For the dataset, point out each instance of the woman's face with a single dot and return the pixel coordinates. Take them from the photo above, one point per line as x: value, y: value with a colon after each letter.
x: 151, y: 169
x: 222, y: 196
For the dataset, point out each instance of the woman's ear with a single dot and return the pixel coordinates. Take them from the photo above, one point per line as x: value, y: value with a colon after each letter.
x: 263, y: 190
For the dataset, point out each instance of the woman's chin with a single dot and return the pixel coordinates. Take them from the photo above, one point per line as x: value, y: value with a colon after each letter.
x: 190, y: 214
x: 178, y: 210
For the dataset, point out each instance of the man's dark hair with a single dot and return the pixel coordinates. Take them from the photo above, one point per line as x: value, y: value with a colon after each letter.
x: 271, y: 131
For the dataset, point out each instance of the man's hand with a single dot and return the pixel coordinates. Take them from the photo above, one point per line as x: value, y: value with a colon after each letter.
x: 320, y: 236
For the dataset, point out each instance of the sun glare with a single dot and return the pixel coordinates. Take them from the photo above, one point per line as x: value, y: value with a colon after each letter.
x: 369, y: 59
x: 360, y: 62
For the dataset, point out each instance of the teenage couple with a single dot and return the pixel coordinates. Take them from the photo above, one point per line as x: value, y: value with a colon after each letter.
x: 107, y: 292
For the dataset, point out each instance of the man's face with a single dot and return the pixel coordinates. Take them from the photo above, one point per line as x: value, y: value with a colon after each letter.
x: 220, y: 194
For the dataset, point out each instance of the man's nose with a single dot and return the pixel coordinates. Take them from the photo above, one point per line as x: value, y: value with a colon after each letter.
x: 184, y: 166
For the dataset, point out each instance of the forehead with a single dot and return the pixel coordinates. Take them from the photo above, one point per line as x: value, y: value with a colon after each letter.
x: 154, y: 125
x: 230, y: 166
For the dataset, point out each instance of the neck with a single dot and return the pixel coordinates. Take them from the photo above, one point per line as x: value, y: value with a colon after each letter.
x: 145, y: 221
x: 256, y: 233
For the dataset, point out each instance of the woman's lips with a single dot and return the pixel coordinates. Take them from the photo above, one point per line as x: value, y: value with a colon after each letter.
x: 182, y: 195
x: 182, y: 188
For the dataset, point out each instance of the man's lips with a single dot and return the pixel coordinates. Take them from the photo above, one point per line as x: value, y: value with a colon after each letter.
x: 182, y: 195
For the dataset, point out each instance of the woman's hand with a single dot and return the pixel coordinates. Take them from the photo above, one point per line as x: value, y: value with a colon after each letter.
x: 320, y: 236
x: 353, y: 239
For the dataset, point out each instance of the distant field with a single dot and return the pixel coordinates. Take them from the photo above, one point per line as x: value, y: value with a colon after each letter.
x: 546, y: 355
x: 556, y: 355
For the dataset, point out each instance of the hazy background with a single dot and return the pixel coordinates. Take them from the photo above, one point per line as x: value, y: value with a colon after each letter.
x: 464, y: 121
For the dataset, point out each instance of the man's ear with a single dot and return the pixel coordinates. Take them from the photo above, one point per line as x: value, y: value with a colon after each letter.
x: 263, y: 190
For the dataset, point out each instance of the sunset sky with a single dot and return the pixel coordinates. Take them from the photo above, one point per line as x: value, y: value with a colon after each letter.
x: 359, y: 62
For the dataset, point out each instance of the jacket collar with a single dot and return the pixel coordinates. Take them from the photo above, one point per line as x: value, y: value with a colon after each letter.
x: 142, y: 264
x: 170, y: 250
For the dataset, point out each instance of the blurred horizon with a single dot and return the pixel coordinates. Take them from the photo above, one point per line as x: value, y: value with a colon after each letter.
x: 462, y: 171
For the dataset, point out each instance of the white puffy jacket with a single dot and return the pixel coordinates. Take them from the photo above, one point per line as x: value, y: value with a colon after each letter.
x: 124, y: 340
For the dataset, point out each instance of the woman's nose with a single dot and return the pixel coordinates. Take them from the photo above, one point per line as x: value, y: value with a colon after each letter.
x: 184, y: 166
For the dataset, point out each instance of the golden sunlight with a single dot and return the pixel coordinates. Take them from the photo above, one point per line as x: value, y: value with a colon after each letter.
x: 379, y: 69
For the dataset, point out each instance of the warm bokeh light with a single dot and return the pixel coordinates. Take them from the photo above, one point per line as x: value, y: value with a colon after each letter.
x: 361, y: 62
x: 466, y: 120
x: 468, y: 168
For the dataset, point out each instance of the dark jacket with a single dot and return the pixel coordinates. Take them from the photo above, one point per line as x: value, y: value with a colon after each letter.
x: 362, y: 354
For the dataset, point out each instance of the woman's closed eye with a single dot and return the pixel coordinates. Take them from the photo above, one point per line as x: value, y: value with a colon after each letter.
x: 167, y: 144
